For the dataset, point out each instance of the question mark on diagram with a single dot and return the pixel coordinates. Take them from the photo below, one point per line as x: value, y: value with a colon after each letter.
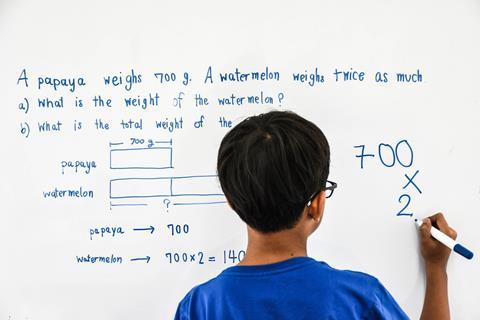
x: 166, y: 202
x: 280, y: 98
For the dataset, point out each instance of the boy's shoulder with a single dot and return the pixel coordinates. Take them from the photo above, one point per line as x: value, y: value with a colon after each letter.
x: 247, y: 287
x: 297, y: 270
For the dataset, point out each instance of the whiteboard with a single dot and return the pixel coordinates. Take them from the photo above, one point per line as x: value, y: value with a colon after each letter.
x: 120, y: 223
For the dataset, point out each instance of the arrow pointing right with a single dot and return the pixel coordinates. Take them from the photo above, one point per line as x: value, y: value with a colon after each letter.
x: 147, y: 259
x: 151, y: 229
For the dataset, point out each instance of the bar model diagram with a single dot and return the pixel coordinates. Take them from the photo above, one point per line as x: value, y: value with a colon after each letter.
x: 199, y: 185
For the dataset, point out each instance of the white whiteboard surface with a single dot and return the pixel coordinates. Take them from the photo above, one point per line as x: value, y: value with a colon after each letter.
x: 154, y: 177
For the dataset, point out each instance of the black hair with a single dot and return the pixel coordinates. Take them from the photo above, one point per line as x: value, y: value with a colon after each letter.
x: 269, y: 165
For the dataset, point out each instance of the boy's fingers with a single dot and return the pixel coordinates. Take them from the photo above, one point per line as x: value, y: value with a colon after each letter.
x: 439, y: 221
x: 452, y: 233
x: 425, y: 229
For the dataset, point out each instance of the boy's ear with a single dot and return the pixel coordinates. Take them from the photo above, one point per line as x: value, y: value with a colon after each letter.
x: 316, y: 208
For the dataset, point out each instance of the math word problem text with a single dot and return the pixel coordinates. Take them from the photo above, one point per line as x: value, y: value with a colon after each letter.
x: 122, y: 128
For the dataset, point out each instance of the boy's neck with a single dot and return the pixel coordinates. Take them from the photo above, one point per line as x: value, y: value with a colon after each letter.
x: 274, y: 247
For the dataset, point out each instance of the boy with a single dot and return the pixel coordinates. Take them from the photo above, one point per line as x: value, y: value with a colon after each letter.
x: 273, y: 170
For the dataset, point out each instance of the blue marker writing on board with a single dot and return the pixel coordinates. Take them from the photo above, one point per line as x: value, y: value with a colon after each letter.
x: 446, y: 240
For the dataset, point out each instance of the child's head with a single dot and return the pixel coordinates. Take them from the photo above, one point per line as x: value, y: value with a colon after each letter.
x: 270, y: 165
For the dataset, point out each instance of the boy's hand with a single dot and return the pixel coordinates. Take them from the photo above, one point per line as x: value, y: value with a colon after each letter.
x: 435, y: 253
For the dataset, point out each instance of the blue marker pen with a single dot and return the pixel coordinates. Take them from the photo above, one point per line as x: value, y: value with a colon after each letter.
x: 446, y: 240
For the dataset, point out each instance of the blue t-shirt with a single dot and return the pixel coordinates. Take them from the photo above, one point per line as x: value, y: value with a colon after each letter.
x: 298, y: 288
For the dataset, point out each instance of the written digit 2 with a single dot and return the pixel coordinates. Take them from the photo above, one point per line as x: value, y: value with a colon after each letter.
x: 401, y: 212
